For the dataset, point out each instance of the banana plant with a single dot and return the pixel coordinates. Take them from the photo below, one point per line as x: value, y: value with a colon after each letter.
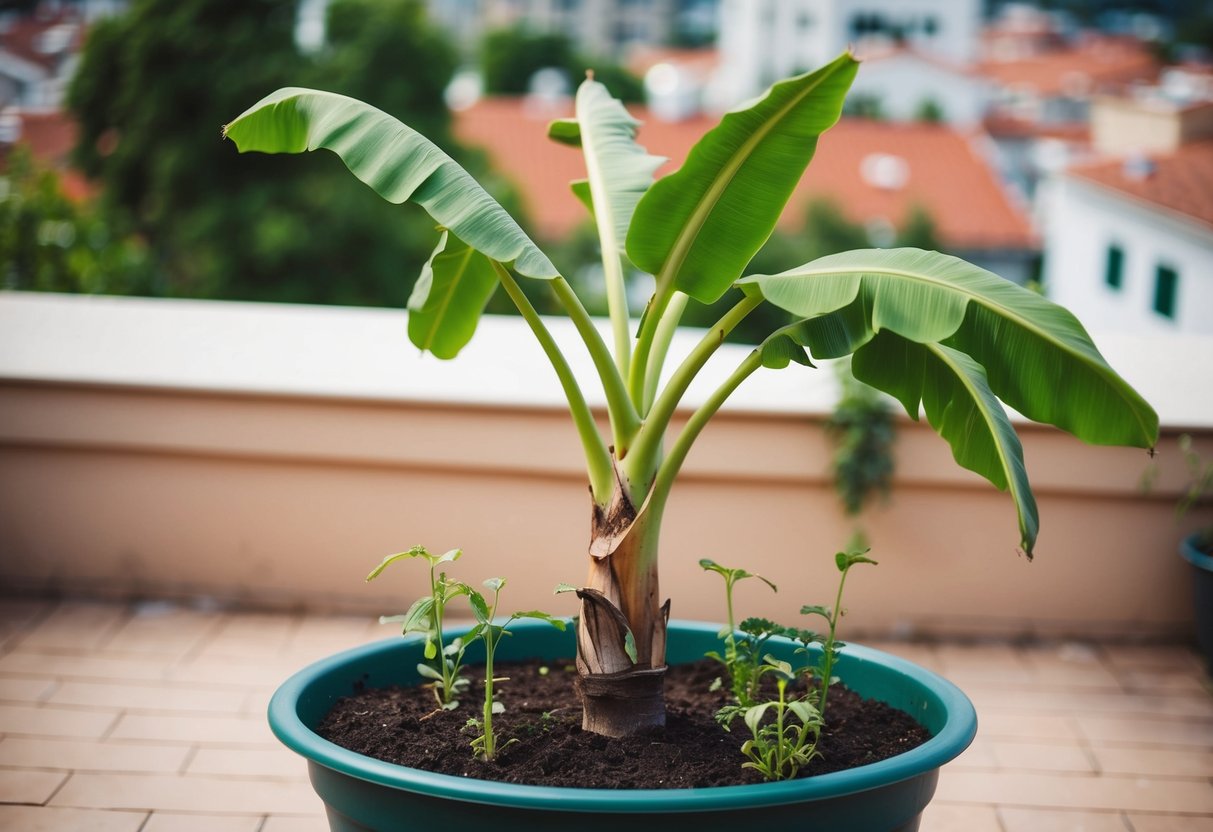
x: 939, y: 334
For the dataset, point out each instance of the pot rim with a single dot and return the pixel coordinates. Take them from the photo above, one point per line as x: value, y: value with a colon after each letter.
x: 958, y: 731
x: 1192, y: 554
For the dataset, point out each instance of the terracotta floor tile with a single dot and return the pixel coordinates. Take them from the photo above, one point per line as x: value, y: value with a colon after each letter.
x: 206, y: 729
x: 247, y: 673
x: 1192, y: 682
x: 28, y: 662
x: 76, y: 626
x: 160, y: 792
x: 55, y: 722
x: 949, y: 817
x: 280, y: 823
x: 24, y: 689
x: 177, y: 822
x: 978, y: 755
x: 1146, y: 732
x: 1152, y: 657
x: 54, y: 819
x: 1075, y: 791
x: 1039, y: 756
x: 1025, y: 725
x: 149, y: 697
x: 1043, y: 820
x: 83, y: 755
x: 1170, y: 823
x: 27, y: 786
x: 247, y: 762
x: 1163, y: 762
x: 162, y: 628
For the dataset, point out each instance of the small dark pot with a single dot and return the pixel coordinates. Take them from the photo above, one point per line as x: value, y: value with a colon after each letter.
x: 1202, y: 592
x: 362, y: 793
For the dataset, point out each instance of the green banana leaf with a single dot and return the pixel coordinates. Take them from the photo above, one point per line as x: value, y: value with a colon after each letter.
x: 619, y: 170
x: 449, y: 297
x: 701, y: 225
x: 396, y: 161
x: 1036, y: 355
x: 960, y: 406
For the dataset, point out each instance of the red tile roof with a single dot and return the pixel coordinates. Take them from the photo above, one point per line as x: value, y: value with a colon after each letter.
x: 50, y: 136
x: 945, y: 173
x: 1094, y: 64
x: 23, y: 34
x: 1181, y: 181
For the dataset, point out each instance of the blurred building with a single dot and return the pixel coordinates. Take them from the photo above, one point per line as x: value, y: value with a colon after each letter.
x: 762, y: 41
x: 1129, y: 233
x: 597, y: 27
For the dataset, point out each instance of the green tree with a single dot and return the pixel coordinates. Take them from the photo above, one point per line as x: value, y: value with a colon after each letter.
x: 510, y: 57
x: 153, y: 89
x: 49, y: 243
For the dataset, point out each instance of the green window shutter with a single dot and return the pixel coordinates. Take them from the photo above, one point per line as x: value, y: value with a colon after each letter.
x: 1114, y: 272
x: 1166, y: 287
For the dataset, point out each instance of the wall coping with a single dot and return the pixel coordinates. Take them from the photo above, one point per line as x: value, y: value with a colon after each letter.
x: 357, y: 353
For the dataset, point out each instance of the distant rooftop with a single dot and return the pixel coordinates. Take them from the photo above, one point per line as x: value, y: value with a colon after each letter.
x: 1095, y: 63
x: 1181, y: 182
x: 932, y: 166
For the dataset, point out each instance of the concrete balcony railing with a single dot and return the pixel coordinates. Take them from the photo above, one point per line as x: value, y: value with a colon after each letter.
x: 273, y: 454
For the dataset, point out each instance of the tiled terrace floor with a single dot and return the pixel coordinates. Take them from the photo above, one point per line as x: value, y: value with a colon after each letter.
x: 149, y: 718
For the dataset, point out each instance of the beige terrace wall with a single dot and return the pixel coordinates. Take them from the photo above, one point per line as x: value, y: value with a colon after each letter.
x: 234, y: 452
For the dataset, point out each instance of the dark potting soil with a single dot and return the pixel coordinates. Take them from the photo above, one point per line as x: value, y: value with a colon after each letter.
x: 542, y: 723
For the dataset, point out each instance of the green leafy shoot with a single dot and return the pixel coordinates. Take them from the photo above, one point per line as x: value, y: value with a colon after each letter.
x: 823, y: 673
x: 742, y: 655
x: 784, y: 733
x: 425, y: 618
x: 485, y: 744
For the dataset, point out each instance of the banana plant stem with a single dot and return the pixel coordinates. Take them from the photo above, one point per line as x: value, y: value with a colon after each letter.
x: 598, y: 458
x: 648, y: 441
x: 625, y: 421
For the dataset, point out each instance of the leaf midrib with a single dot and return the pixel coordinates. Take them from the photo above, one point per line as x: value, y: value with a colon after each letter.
x: 973, y: 297
x: 699, y: 216
x: 448, y: 296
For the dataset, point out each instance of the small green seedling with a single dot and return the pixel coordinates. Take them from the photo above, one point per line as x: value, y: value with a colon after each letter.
x: 742, y: 656
x: 779, y: 748
x: 823, y: 673
x: 485, y: 743
x: 425, y: 617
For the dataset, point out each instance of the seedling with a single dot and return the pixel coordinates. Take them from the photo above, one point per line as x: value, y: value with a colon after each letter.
x: 425, y: 617
x: 779, y: 748
x: 742, y: 656
x: 823, y: 673
x: 485, y: 743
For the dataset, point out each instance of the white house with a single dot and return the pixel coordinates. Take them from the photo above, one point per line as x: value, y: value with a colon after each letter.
x: 1129, y: 242
x: 762, y: 41
x: 903, y: 81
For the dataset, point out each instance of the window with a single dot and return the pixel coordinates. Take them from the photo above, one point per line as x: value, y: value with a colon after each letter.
x: 1114, y: 271
x: 1166, y: 286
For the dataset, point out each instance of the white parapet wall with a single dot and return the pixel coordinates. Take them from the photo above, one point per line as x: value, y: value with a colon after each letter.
x: 271, y: 455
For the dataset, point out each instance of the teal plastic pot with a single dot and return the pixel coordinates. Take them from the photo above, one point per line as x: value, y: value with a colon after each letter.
x: 362, y: 793
x: 1202, y: 592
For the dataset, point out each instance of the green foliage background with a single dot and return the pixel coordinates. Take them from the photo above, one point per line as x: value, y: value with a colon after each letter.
x: 153, y: 90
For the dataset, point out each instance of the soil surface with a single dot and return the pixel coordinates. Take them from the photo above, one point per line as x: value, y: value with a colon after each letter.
x: 542, y: 723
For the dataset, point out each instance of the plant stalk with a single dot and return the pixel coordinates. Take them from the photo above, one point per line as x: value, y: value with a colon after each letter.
x: 598, y: 458
x: 666, y: 328
x: 658, y: 419
x: 625, y: 421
